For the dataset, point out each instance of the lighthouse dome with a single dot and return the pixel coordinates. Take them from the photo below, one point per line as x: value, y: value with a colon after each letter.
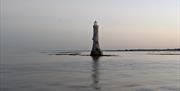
x: 95, y: 23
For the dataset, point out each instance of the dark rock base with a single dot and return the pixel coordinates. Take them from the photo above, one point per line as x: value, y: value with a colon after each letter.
x: 96, y: 53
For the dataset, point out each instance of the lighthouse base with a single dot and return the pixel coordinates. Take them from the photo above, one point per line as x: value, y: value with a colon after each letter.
x: 96, y: 53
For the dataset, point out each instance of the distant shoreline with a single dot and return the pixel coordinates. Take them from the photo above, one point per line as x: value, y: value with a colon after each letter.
x: 173, y: 49
x: 78, y: 52
x: 176, y: 49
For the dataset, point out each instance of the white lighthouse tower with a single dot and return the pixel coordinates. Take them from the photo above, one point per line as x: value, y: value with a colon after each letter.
x: 96, y: 51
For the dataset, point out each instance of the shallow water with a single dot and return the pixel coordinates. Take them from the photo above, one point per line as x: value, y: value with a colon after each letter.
x: 129, y: 71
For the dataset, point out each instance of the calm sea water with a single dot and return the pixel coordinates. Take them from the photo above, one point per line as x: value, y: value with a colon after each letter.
x: 129, y: 71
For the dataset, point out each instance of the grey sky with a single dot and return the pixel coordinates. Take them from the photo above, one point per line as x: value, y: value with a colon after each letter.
x: 30, y: 25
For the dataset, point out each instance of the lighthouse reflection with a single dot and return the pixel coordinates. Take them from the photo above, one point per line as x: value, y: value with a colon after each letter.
x: 95, y: 73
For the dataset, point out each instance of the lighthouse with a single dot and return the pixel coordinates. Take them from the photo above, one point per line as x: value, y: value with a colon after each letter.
x: 96, y: 51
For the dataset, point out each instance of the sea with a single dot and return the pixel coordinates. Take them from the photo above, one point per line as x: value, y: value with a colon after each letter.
x: 118, y: 71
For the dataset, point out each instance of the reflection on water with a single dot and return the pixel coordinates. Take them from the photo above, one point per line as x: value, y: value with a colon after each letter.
x: 95, y: 73
x: 130, y: 71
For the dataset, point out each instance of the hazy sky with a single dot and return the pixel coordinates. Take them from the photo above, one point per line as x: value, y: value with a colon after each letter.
x: 32, y: 25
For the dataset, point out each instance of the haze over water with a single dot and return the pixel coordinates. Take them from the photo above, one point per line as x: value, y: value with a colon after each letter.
x: 31, y: 25
x: 31, y: 30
